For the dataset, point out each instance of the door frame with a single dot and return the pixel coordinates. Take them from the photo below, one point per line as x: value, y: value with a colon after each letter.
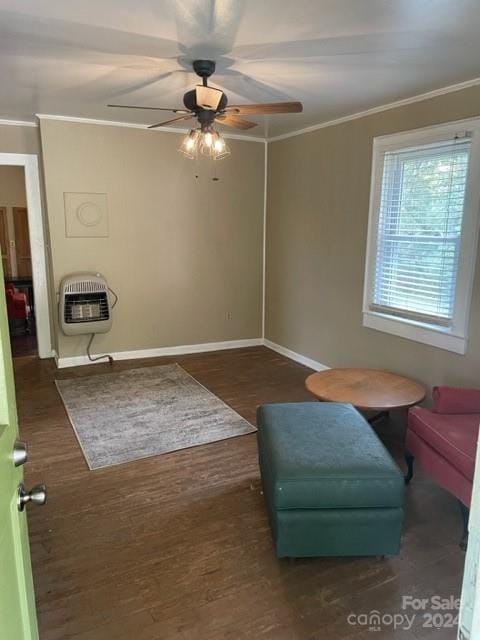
x: 37, y: 246
x: 3, y: 210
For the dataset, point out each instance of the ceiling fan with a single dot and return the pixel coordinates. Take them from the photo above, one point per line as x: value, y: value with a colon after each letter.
x: 208, y: 105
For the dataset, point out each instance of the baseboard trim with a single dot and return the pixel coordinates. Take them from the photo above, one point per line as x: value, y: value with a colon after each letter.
x: 75, y: 361
x: 293, y: 355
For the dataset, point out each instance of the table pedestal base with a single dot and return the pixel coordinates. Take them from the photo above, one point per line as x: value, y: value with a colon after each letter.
x: 378, y: 416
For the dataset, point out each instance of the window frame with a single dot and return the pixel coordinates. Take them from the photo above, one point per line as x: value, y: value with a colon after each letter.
x: 455, y: 337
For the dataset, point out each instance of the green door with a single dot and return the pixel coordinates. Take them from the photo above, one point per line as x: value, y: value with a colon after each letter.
x: 17, y: 601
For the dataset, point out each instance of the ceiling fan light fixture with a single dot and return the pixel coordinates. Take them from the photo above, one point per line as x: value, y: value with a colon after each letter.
x: 208, y: 143
x: 220, y: 149
x: 206, y: 146
x: 208, y: 97
x: 189, y: 146
x: 213, y: 145
x: 220, y: 155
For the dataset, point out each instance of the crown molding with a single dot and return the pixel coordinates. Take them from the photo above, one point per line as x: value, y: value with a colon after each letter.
x: 18, y: 123
x: 385, y: 107
x: 131, y: 125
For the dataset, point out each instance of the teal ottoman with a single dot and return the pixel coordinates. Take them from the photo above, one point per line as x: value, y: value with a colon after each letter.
x: 331, y: 487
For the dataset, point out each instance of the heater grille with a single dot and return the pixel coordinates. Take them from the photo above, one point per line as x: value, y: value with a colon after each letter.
x: 84, y: 304
x: 86, y: 308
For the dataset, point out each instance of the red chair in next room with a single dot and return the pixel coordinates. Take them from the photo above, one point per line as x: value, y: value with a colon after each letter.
x: 17, y: 306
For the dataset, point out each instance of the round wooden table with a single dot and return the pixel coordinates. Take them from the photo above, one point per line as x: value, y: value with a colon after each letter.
x: 366, y: 389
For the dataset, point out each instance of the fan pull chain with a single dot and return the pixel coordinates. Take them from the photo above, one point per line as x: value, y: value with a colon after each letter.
x: 215, y: 178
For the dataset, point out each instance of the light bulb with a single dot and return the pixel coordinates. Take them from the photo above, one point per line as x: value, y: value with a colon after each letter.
x: 208, y: 139
x: 219, y: 145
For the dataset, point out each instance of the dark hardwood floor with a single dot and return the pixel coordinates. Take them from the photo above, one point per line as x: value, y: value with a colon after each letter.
x: 23, y: 344
x: 178, y: 546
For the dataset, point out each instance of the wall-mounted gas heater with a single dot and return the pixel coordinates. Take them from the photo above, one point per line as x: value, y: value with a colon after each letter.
x: 85, y: 307
x: 84, y: 304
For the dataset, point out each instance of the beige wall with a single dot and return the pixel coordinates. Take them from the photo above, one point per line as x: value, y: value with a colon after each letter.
x: 182, y: 253
x: 12, y: 194
x: 12, y: 186
x: 18, y: 139
x: 318, y: 197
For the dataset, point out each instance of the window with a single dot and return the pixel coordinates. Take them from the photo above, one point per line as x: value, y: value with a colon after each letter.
x: 424, y: 210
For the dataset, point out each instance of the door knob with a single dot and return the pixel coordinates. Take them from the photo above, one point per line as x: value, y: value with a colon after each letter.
x: 38, y: 495
x: 20, y: 453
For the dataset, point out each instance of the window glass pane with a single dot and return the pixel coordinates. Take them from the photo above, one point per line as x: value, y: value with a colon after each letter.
x: 419, y: 232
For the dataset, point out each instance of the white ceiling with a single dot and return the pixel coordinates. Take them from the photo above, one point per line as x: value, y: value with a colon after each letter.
x: 337, y: 56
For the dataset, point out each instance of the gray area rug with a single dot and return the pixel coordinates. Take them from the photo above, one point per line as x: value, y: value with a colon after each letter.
x: 119, y: 417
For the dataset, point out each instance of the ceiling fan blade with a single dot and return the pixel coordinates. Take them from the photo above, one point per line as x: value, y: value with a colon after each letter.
x: 267, y: 108
x: 129, y: 106
x: 250, y: 88
x: 235, y: 121
x: 162, y: 124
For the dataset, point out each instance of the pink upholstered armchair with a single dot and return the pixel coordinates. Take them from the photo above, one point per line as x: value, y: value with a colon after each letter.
x: 444, y: 441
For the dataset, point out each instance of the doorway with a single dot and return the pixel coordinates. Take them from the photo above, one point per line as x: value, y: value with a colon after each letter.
x: 17, y: 261
x: 23, y: 255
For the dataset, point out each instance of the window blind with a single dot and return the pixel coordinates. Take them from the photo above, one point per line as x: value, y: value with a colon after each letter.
x: 419, y: 231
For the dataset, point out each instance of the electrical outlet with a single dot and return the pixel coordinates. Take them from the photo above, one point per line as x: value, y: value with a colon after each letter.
x: 229, y: 315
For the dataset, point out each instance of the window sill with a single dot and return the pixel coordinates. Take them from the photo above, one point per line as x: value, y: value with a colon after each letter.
x: 416, y: 331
